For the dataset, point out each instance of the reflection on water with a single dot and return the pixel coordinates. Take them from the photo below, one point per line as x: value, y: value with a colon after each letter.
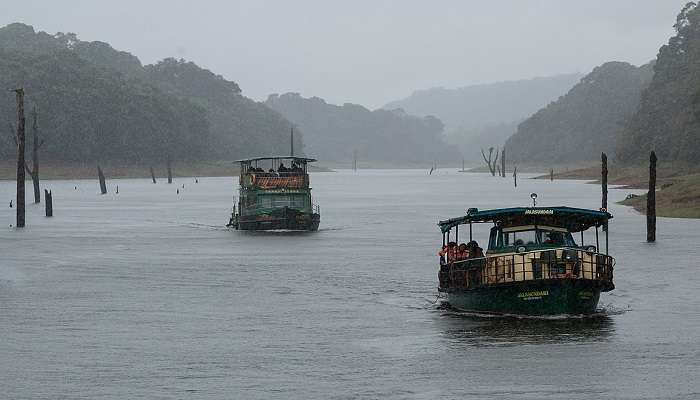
x: 488, y: 330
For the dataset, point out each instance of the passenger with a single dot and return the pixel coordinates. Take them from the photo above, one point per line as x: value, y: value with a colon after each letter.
x: 282, y: 168
x: 462, y: 252
x: 554, y: 238
x: 474, y: 250
x: 448, y: 253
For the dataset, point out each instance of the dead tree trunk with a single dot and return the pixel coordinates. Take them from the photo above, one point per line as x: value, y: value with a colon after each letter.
x: 604, y: 181
x: 153, y: 175
x: 170, y: 171
x: 503, y: 162
x: 101, y: 176
x: 491, y: 163
x: 21, y: 163
x: 515, y: 176
x: 651, y: 200
x: 34, y: 171
x: 48, y: 199
x: 498, y: 169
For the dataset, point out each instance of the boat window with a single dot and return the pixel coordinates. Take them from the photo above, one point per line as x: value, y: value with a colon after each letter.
x: 297, y: 201
x: 530, y: 236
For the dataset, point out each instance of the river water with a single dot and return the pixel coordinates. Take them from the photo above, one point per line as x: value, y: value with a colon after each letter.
x: 145, y: 294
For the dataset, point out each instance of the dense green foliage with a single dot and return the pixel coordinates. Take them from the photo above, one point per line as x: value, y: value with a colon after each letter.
x: 241, y: 127
x: 87, y: 113
x: 335, y: 132
x: 667, y: 119
x: 584, y: 122
x: 96, y: 102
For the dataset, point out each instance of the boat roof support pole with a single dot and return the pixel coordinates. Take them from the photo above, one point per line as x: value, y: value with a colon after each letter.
x: 597, y: 244
x: 457, y: 233
x: 470, y: 231
x: 443, y: 239
x: 607, y: 233
x: 581, y: 238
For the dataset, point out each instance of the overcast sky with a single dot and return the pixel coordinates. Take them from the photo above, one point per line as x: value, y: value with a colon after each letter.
x: 366, y: 51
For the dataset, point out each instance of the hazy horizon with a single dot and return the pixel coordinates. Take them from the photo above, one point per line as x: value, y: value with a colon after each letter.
x: 367, y: 52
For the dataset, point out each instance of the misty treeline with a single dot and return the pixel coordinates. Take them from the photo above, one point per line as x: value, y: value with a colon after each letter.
x: 338, y: 132
x: 626, y: 110
x: 99, y: 104
x: 481, y: 116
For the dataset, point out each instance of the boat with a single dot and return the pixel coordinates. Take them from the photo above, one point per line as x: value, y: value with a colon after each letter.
x: 532, y: 264
x: 275, y: 196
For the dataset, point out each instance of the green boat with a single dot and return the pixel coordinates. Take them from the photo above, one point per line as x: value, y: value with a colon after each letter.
x: 275, y: 196
x: 532, y: 265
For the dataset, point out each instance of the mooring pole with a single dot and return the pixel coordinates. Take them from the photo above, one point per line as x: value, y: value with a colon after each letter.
x: 651, y: 200
x: 48, y: 199
x: 20, y: 157
x: 515, y: 176
x: 101, y: 177
x: 604, y: 181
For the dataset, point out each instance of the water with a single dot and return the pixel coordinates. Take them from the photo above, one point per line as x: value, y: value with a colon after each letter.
x: 145, y: 294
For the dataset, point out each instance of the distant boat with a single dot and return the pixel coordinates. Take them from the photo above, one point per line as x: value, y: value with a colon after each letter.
x: 275, y: 199
x: 532, y: 265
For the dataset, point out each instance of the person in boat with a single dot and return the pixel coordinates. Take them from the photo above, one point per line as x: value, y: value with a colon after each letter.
x: 282, y: 168
x: 554, y: 238
x: 448, y: 253
x: 462, y: 252
x: 474, y: 250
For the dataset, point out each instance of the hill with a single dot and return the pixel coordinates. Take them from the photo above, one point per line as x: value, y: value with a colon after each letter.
x: 89, y: 114
x: 182, y: 100
x: 586, y: 121
x: 485, y: 115
x: 667, y: 119
x: 334, y: 132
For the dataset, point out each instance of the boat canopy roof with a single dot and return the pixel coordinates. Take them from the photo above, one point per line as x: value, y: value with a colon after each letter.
x: 300, y: 159
x: 572, y: 219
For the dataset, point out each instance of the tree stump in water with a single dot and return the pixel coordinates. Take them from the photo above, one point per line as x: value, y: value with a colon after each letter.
x: 170, y: 172
x: 21, y: 163
x: 101, y: 176
x: 651, y: 200
x: 48, y: 198
x: 153, y: 175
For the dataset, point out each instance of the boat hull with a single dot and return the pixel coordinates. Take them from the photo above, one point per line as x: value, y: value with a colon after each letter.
x: 543, y: 297
x: 283, y: 219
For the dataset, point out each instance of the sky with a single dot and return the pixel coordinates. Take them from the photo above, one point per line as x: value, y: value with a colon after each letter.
x: 368, y: 52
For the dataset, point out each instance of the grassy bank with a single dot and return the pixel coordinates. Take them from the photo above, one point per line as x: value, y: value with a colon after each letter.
x: 678, y: 186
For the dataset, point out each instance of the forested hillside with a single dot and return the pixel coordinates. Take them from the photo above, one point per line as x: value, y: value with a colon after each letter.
x: 584, y: 122
x: 335, y: 132
x: 668, y: 116
x: 98, y: 102
x: 87, y: 113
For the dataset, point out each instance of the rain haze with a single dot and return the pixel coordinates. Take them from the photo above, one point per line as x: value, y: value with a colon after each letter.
x: 366, y: 52
x: 349, y: 199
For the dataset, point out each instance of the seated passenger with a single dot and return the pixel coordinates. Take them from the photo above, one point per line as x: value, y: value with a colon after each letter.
x: 282, y: 168
x: 462, y: 252
x: 474, y: 250
x: 448, y: 253
x: 554, y: 238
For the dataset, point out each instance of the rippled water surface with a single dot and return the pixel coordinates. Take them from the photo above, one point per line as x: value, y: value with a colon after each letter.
x: 145, y: 294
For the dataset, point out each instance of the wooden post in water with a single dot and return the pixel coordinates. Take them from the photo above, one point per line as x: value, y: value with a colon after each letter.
x: 651, y: 200
x: 170, y: 171
x: 503, y: 162
x: 515, y: 176
x: 153, y: 175
x: 604, y: 181
x: 34, y: 171
x: 101, y: 176
x: 354, y: 160
x: 551, y: 174
x: 21, y: 163
x: 48, y: 198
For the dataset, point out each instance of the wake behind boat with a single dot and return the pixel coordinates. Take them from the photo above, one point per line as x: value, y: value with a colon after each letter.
x: 532, y: 265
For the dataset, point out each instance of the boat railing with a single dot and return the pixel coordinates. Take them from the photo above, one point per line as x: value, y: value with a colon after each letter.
x: 559, y: 263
